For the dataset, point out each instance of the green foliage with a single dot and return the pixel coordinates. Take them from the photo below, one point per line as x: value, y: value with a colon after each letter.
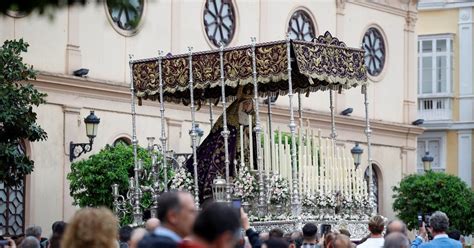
x: 17, y: 119
x: 431, y: 192
x: 91, y: 179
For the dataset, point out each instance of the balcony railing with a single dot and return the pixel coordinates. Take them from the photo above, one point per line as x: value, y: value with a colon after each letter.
x: 435, y: 108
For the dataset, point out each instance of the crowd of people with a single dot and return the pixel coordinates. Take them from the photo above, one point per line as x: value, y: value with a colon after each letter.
x: 218, y: 225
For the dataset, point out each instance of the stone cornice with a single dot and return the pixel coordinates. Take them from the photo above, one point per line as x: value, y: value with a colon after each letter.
x: 395, y: 7
x: 119, y: 92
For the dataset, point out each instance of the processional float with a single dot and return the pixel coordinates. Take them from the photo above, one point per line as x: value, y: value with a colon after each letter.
x: 323, y: 184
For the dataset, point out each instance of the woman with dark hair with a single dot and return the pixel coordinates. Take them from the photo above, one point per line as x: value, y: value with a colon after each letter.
x: 58, y: 231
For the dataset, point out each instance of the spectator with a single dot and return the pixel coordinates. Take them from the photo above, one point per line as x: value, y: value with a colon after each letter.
x: 275, y: 243
x: 151, y: 224
x: 252, y: 236
x: 217, y: 226
x: 396, y: 226
x: 455, y: 234
x: 310, y: 236
x: 275, y: 233
x: 137, y: 235
x: 396, y: 240
x: 58, y: 228
x: 328, y: 239
x: 341, y: 241
x: 11, y: 243
x: 264, y: 236
x: 176, y: 212
x: 439, y: 224
x: 376, y: 226
x: 34, y: 231
x: 297, y: 238
x: 125, y: 233
x: 345, y: 232
x: 91, y: 227
x: 30, y: 242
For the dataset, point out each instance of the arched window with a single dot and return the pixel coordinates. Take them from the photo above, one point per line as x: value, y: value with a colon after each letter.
x: 375, y: 180
x: 125, y: 14
x: 12, y: 206
x: 374, y: 46
x: 219, y: 21
x: 301, y: 27
x: 122, y: 140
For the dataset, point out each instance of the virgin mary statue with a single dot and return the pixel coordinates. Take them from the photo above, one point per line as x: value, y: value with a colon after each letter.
x: 211, y: 152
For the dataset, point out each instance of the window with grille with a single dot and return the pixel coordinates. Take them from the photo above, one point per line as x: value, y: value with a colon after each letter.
x: 300, y: 26
x: 435, y: 64
x: 12, y: 207
x: 374, y: 46
x: 219, y: 21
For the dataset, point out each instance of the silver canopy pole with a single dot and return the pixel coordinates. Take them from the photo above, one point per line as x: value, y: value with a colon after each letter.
x: 225, y: 132
x: 333, y: 121
x: 137, y: 211
x: 162, y: 112
x: 258, y: 129
x: 193, y: 132
x: 211, y: 115
x: 368, y: 133
x: 270, y: 129
x: 295, y: 203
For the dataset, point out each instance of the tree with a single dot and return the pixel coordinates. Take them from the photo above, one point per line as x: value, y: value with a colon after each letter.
x: 431, y: 192
x: 91, y: 179
x: 17, y: 118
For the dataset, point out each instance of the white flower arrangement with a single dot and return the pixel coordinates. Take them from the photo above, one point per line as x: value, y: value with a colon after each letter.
x: 279, y: 192
x: 310, y: 200
x: 183, y: 181
x: 245, y: 186
x: 327, y: 200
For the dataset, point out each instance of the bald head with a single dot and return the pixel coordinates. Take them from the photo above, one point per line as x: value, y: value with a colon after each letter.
x: 396, y: 226
x: 396, y: 240
x: 151, y: 224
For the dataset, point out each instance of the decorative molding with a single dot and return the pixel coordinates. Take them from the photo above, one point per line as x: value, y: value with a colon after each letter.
x: 430, y: 5
x: 395, y: 7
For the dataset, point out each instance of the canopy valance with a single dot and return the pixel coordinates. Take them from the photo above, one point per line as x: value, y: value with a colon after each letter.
x: 325, y: 63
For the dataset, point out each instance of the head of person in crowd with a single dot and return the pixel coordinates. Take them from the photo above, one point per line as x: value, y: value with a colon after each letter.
x: 58, y: 227
x: 177, y: 212
x: 275, y: 243
x: 125, y: 232
x: 396, y: 240
x: 151, y: 224
x: 217, y: 226
x: 376, y: 225
x: 345, y: 232
x: 396, y: 226
x: 91, y: 227
x: 264, y: 236
x: 276, y: 233
x: 439, y: 223
x: 455, y: 234
x: 341, y: 241
x: 310, y: 233
x: 328, y: 239
x: 30, y: 242
x: 33, y: 231
x: 137, y: 235
x: 297, y: 238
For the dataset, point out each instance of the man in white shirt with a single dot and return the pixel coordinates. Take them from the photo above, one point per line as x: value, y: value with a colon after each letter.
x: 376, y: 227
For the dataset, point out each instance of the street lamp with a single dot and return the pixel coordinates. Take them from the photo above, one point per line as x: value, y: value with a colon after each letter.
x: 356, y: 154
x: 92, y: 124
x: 199, y: 133
x: 427, y: 161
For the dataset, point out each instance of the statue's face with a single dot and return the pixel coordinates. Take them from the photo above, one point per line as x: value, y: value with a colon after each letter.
x: 247, y: 106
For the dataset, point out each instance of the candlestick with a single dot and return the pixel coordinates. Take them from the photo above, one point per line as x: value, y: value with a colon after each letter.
x: 242, y: 159
x: 251, y: 143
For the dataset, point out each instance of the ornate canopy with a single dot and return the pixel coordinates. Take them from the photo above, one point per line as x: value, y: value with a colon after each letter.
x: 325, y: 63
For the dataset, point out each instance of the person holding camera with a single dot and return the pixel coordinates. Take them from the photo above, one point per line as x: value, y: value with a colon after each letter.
x: 438, y: 225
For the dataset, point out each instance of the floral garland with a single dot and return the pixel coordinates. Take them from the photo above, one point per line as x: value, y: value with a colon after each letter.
x: 183, y: 181
x: 245, y: 186
x: 327, y: 200
x: 278, y: 190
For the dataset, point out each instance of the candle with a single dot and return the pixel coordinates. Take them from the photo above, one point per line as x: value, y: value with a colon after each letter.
x: 251, y: 143
x: 242, y: 163
x: 131, y: 183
